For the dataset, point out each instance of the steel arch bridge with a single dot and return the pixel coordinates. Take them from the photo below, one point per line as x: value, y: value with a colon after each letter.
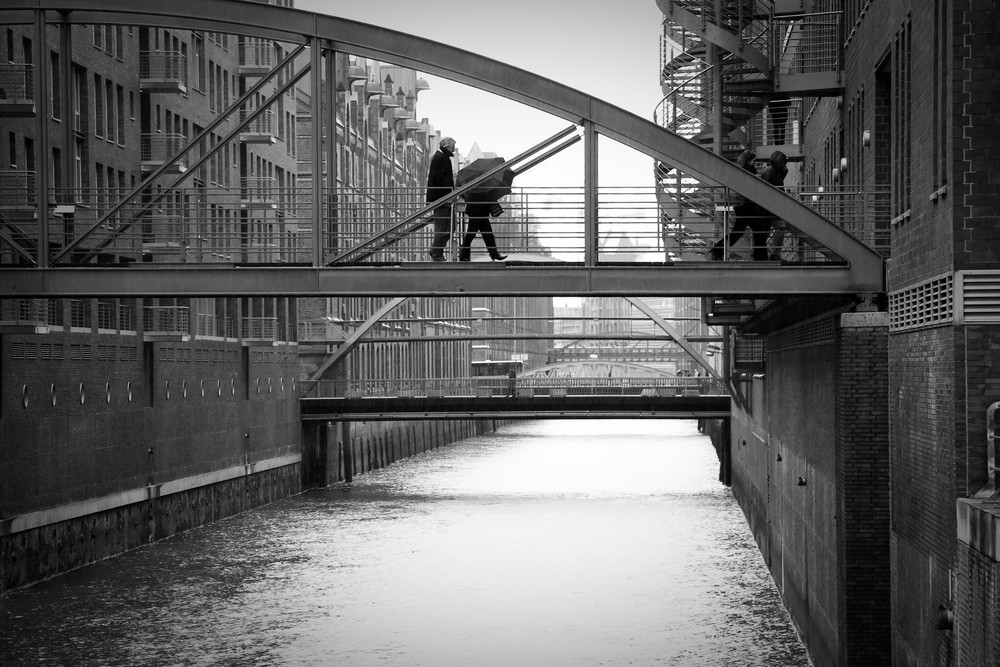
x: 849, y: 267
x: 594, y: 368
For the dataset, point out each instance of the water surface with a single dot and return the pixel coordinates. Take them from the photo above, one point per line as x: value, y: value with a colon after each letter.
x: 548, y: 543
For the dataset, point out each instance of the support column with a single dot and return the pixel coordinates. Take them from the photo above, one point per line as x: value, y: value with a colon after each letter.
x: 590, y: 180
x: 863, y: 495
x: 347, y: 455
x: 68, y: 139
x: 43, y: 152
x: 316, y: 108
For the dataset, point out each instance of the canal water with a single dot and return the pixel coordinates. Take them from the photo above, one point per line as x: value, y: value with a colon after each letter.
x: 546, y: 543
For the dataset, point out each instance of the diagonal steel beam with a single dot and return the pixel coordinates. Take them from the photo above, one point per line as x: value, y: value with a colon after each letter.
x: 233, y: 134
x: 368, y: 246
x: 17, y: 247
x: 352, y: 341
x: 223, y: 117
x: 676, y: 335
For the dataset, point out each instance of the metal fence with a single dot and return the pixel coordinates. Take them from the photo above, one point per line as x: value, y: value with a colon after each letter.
x: 807, y: 44
x: 263, y: 223
x: 530, y: 386
x: 166, y: 319
x: 163, y: 67
x: 17, y: 82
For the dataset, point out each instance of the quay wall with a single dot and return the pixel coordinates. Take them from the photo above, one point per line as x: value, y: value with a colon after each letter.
x: 809, y: 467
x: 338, y: 451
x: 110, y: 441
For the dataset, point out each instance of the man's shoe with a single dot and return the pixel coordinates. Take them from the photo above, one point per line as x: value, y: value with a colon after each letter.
x: 435, y: 257
x: 498, y: 258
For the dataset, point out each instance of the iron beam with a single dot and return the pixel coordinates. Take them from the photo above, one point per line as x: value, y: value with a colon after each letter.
x: 683, y: 279
x: 518, y: 414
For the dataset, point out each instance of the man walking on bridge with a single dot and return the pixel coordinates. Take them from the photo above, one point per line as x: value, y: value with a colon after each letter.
x: 441, y: 181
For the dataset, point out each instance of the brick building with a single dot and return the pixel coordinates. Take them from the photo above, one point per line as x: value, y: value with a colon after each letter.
x: 129, y: 419
x: 860, y: 451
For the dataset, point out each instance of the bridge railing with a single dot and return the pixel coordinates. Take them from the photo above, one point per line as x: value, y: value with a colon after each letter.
x: 694, y: 217
x: 260, y: 221
x: 492, y: 387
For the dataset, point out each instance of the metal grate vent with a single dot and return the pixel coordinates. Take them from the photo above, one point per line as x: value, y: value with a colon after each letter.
x: 815, y: 332
x: 977, y: 298
x: 928, y: 304
x: 748, y: 353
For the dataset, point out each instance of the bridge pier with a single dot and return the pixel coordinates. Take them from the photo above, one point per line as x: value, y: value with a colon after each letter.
x: 719, y: 431
x: 346, y: 451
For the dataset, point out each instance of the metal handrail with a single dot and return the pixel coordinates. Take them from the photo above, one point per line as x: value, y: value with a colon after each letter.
x: 501, y: 386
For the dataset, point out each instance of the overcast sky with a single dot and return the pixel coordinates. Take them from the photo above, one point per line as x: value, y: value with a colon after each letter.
x: 605, y: 48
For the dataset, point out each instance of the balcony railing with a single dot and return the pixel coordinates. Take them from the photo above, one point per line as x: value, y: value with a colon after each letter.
x: 807, y: 44
x: 259, y: 189
x: 166, y: 319
x: 779, y: 124
x: 17, y: 89
x: 214, y: 326
x: 326, y: 331
x: 260, y: 328
x: 157, y: 148
x: 257, y: 58
x: 262, y: 129
x: 163, y: 71
x: 17, y: 189
x: 33, y: 312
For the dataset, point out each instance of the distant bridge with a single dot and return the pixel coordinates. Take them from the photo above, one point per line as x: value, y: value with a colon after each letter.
x: 520, y: 398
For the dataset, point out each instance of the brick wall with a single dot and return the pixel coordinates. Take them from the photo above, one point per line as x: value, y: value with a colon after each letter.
x: 810, y: 468
x: 783, y: 472
x: 976, y: 104
x: 863, y: 488
x: 922, y: 418
x: 112, y: 426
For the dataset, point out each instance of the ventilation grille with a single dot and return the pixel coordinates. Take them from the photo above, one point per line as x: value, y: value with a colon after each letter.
x: 978, y: 298
x: 748, y: 353
x: 816, y: 332
x: 928, y: 304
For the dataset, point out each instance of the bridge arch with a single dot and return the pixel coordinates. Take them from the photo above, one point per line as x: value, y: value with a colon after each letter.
x: 595, y: 368
x: 597, y: 117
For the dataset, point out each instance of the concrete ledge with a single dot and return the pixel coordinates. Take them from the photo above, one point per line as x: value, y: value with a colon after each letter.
x: 864, y: 320
x: 53, y: 515
x: 979, y: 525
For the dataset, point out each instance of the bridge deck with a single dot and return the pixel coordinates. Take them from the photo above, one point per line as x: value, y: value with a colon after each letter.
x: 508, y: 407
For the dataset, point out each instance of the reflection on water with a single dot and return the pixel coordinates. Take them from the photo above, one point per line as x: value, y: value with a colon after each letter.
x: 548, y: 543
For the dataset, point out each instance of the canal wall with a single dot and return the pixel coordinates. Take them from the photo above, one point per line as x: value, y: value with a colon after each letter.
x: 339, y: 451
x: 809, y: 462
x: 112, y: 441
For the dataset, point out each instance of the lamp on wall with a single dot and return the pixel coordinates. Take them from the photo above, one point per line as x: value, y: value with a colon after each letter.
x: 866, y: 138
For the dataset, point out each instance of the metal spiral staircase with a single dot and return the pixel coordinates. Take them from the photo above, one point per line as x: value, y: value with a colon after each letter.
x: 720, y: 67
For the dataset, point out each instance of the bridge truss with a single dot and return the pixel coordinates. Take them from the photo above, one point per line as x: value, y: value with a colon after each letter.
x: 102, y: 254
